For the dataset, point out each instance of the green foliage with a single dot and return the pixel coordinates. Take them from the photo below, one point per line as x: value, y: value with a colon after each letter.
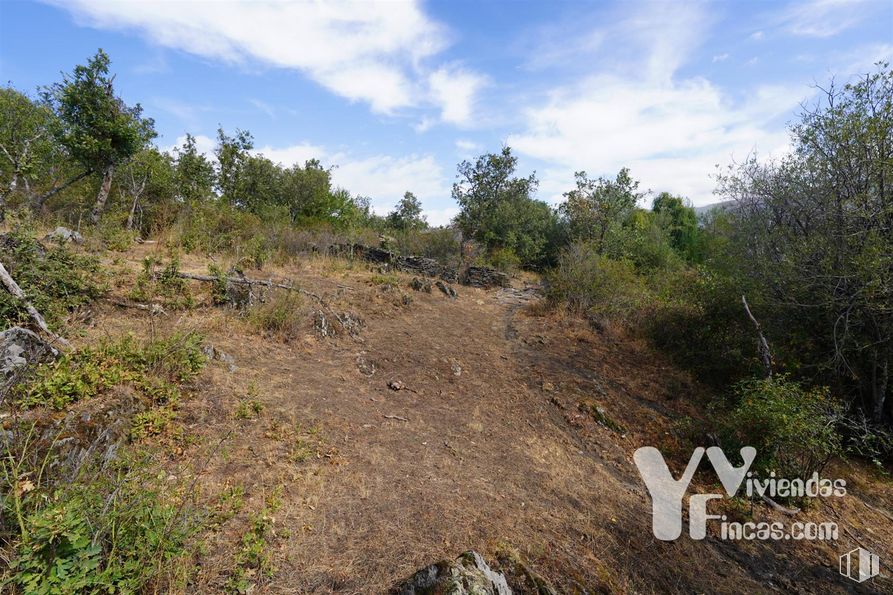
x: 596, y: 206
x: 96, y: 127
x: 599, y: 287
x: 792, y: 428
x: 681, y: 223
x: 55, y: 279
x: 408, y: 214
x: 498, y: 211
x: 195, y: 177
x: 253, y: 561
x: 154, y: 368
x: 160, y: 280
x: 114, y: 529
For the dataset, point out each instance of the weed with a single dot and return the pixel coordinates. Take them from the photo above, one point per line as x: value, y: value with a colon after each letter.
x: 282, y: 316
x: 249, y: 409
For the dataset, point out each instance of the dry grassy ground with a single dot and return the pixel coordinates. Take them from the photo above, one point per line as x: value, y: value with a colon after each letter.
x: 486, y: 448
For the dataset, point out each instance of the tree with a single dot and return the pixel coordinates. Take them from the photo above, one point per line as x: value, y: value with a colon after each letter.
x: 194, y: 173
x: 147, y: 182
x: 232, y: 153
x: 681, y: 223
x: 26, y: 142
x: 408, y: 214
x: 497, y: 209
x: 97, y: 128
x: 815, y: 231
x: 591, y: 209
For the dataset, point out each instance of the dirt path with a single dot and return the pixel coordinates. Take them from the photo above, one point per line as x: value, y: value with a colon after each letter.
x: 491, y: 446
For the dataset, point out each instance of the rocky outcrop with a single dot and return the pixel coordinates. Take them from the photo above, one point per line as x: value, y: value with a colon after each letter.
x: 475, y: 276
x: 468, y: 574
x: 19, y: 349
x: 63, y: 234
x: 484, y: 277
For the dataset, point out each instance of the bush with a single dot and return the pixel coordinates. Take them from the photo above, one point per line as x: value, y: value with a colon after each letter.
x: 56, y: 280
x: 160, y: 280
x: 596, y: 286
x: 793, y: 429
x: 155, y: 369
x: 282, y: 315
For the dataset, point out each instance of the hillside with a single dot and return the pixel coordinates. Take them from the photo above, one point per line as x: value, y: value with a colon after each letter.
x: 510, y: 432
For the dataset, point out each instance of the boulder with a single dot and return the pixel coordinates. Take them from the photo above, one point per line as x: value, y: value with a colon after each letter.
x: 468, y: 574
x: 420, y: 284
x: 20, y: 348
x: 63, y: 234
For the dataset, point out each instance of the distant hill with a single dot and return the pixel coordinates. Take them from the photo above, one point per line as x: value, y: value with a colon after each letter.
x: 724, y: 205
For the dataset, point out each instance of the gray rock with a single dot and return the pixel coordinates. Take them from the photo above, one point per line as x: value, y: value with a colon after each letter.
x: 484, y: 277
x: 468, y: 574
x: 63, y: 234
x: 447, y: 289
x: 20, y: 348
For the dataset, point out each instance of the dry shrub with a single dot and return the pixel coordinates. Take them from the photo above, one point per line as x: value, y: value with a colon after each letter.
x: 282, y: 315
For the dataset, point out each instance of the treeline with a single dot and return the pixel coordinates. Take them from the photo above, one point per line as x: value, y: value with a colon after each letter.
x: 808, y: 239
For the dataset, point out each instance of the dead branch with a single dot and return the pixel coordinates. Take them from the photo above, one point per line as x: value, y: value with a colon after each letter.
x: 397, y: 417
x: 765, y: 354
x: 151, y: 308
x: 16, y: 291
x: 247, y: 281
x: 779, y: 507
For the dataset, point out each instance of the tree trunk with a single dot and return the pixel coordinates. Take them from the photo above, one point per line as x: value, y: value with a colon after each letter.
x: 881, y: 376
x: 103, y: 195
x: 136, y: 200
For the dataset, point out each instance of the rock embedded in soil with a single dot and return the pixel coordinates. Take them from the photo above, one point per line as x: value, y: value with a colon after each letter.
x: 20, y: 348
x: 484, y: 277
x: 469, y: 574
x: 63, y: 234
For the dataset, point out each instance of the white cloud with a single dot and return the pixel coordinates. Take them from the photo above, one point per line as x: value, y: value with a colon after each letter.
x: 757, y: 35
x: 823, y: 18
x: 293, y: 154
x: 364, y: 51
x: 670, y: 132
x: 454, y: 90
x: 468, y: 147
x: 720, y: 57
x: 203, y: 144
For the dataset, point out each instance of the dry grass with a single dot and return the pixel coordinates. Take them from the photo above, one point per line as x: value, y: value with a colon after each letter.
x: 497, y: 458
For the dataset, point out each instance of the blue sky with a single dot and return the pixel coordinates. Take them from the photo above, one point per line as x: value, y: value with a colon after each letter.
x: 396, y: 93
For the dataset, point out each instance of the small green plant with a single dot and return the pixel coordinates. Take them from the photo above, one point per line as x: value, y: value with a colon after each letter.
x: 253, y: 561
x: 249, y: 409
x: 219, y: 293
x: 160, y: 280
x: 155, y: 369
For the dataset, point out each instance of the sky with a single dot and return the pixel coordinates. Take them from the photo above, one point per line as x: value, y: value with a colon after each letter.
x: 394, y: 94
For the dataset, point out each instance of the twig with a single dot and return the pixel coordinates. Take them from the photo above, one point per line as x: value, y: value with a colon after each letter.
x: 15, y: 290
x: 395, y: 417
x: 152, y: 308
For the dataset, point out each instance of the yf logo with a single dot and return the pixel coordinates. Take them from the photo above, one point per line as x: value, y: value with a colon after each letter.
x: 667, y: 493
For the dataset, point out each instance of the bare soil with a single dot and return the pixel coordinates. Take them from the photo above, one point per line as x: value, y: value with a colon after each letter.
x: 491, y: 445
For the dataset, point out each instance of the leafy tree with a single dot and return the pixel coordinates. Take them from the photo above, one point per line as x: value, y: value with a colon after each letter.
x: 680, y: 220
x: 26, y: 142
x: 97, y: 128
x: 815, y: 232
x: 194, y: 173
x: 595, y: 206
x: 148, y: 187
x: 497, y: 209
x: 232, y: 153
x: 408, y: 214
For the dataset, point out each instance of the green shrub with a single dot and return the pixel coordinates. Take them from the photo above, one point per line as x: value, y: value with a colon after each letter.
x: 794, y: 429
x: 117, y: 529
x: 55, y: 279
x: 154, y: 369
x: 504, y: 259
x: 599, y: 287
x: 160, y: 280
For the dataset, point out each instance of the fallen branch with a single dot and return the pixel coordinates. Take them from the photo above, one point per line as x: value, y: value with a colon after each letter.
x: 15, y: 290
x: 151, y: 308
x: 779, y: 507
x: 397, y: 417
x: 247, y: 281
